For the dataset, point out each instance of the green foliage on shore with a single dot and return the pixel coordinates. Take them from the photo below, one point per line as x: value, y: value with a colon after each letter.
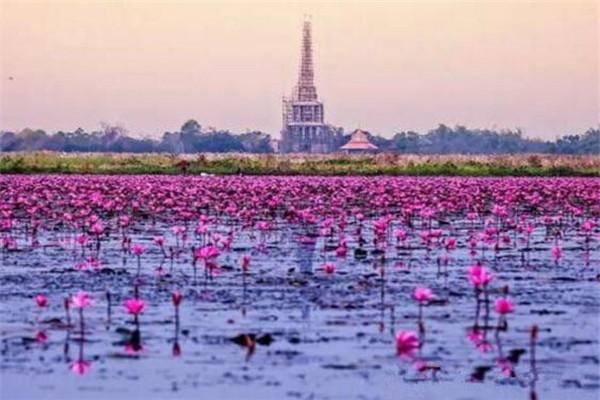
x: 382, y: 164
x: 193, y: 138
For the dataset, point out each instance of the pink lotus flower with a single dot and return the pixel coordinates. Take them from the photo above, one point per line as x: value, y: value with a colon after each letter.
x: 400, y: 235
x: 201, y: 228
x: 124, y: 220
x: 176, y: 297
x: 506, y: 367
x: 329, y: 267
x: 422, y: 295
x: 176, y: 350
x: 475, y: 336
x: 134, y: 306
x: 588, y: 225
x: 263, y: 226
x: 207, y: 252
x: 426, y: 213
x: 504, y: 306
x: 41, y: 300
x: 246, y: 263
x: 444, y: 259
x: 178, y: 230
x: 485, y: 346
x: 499, y: 210
x: 82, y: 239
x: 327, y: 222
x: 478, y: 275
x: 97, y: 228
x: 81, y: 367
x: 472, y: 243
x: 556, y: 252
x: 80, y: 266
x: 307, y: 240
x: 137, y: 249
x: 159, y: 241
x: 325, y: 231
x: 41, y: 337
x: 420, y: 366
x: 435, y: 233
x: 81, y: 300
x: 450, y: 243
x: 133, y: 348
x: 400, y: 265
x: 424, y: 366
x: 93, y: 262
x: 533, y: 333
x: 529, y: 229
x: 406, y: 343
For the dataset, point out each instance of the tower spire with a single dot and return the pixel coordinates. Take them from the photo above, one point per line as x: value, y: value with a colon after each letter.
x: 305, y: 90
x: 303, y: 128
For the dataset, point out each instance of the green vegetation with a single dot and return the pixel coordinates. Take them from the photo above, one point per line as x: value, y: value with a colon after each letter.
x: 269, y: 164
x: 193, y: 138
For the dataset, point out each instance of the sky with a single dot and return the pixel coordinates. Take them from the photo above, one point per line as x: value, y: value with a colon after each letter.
x: 381, y: 66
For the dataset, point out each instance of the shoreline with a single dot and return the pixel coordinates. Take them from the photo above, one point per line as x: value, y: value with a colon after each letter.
x: 299, y: 164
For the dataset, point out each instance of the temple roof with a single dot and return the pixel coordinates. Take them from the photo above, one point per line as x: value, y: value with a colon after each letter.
x: 359, y: 141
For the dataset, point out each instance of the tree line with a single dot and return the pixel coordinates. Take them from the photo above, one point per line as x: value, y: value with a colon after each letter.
x: 192, y: 138
x: 461, y: 140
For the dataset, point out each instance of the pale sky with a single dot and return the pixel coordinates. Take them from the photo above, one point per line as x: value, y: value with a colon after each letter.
x: 385, y: 67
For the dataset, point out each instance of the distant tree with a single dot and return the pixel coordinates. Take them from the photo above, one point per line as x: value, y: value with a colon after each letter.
x: 110, y: 135
x: 256, y: 142
x: 171, y: 143
x: 218, y: 142
x: 191, y: 126
x: 9, y: 141
x: 588, y: 143
x: 405, y: 142
x: 33, y: 139
x: 192, y: 139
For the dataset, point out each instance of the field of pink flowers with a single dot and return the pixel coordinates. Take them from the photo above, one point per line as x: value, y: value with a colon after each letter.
x: 299, y: 287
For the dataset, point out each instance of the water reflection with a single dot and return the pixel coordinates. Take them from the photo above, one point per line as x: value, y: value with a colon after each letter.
x: 369, y: 289
x: 81, y: 366
x: 108, y: 309
x: 176, y: 348
x: 533, y: 375
x: 304, y: 253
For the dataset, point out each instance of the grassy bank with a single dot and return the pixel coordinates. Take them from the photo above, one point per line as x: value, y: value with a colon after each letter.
x: 252, y: 164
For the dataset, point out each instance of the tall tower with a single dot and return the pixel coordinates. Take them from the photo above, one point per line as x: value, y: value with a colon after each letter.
x: 303, y: 128
x: 306, y: 90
